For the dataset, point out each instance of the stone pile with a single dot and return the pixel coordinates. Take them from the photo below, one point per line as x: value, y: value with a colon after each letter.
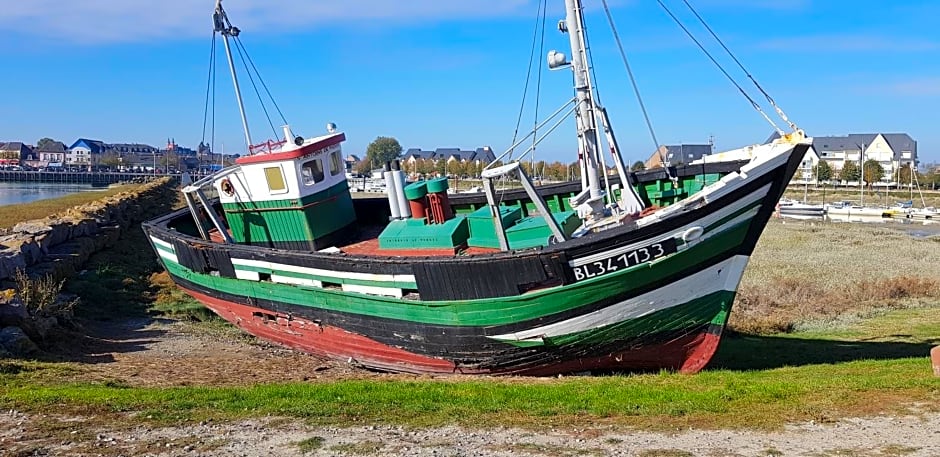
x: 58, y: 246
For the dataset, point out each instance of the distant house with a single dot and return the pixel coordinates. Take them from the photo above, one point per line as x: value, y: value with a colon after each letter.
x: 891, y: 150
x: 680, y: 154
x: 84, y: 152
x: 14, y: 153
x: 481, y: 155
x: 52, y: 154
x: 351, y: 161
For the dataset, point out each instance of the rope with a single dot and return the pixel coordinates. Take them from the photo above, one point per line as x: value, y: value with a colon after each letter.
x: 721, y: 68
x: 740, y: 65
x: 205, y: 113
x: 528, y: 75
x: 538, y: 88
x: 636, y: 88
x: 241, y: 54
x: 265, y: 86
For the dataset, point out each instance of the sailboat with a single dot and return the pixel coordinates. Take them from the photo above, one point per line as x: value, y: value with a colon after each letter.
x: 616, y: 271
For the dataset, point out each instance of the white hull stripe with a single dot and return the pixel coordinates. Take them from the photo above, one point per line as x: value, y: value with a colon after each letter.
x: 706, y: 221
x: 162, y: 243
x: 724, y: 276
x: 165, y: 250
x: 319, y: 272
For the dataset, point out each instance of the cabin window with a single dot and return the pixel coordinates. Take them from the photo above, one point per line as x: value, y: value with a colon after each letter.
x: 275, y: 179
x: 312, y: 172
x: 336, y: 163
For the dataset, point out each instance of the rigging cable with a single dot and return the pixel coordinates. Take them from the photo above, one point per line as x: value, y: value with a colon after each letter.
x: 210, y: 95
x: 721, y: 68
x: 761, y: 89
x: 205, y: 113
x: 636, y: 88
x: 265, y: 86
x: 538, y: 88
x: 528, y: 77
x: 241, y: 53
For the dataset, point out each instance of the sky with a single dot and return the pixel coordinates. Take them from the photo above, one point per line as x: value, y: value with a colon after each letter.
x: 434, y: 73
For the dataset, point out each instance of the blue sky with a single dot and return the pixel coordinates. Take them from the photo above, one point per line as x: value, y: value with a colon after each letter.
x: 451, y: 74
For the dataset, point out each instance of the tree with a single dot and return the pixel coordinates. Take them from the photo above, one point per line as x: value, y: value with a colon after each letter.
x: 383, y: 149
x: 823, y: 171
x: 905, y: 175
x: 363, y: 167
x: 638, y: 166
x: 849, y: 172
x: 110, y: 160
x: 873, y: 172
x: 45, y: 142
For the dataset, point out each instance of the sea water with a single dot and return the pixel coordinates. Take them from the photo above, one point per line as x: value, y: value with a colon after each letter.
x: 12, y: 193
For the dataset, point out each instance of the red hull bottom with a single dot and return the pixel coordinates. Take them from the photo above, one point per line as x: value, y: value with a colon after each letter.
x: 687, y: 354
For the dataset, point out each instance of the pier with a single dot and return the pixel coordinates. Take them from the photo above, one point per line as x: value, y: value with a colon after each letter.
x: 93, y: 178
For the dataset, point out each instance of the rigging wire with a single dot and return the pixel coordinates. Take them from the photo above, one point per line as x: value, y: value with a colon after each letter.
x: 721, y: 68
x: 265, y: 86
x: 205, y: 113
x: 528, y: 77
x: 740, y: 65
x: 538, y: 87
x: 636, y: 88
x: 241, y: 53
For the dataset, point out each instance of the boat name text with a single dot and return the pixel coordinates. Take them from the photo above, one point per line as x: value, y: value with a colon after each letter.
x: 628, y: 259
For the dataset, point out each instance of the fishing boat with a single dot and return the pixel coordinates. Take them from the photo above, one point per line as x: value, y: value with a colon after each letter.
x: 616, y: 271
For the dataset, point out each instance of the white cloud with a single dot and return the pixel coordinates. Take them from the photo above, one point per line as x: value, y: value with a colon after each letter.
x: 919, y: 87
x: 104, y: 21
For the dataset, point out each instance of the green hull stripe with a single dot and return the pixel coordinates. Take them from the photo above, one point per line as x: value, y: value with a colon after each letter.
x: 484, y: 312
x: 695, y: 313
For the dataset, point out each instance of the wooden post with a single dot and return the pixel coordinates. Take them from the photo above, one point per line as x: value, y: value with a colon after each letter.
x: 935, y: 359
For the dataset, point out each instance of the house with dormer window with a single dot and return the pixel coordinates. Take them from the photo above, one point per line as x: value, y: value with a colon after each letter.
x: 84, y: 152
x: 891, y: 150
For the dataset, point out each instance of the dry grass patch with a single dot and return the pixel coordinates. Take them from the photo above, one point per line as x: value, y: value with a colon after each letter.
x: 665, y: 453
x: 360, y: 448
x: 11, y: 215
x: 802, y: 272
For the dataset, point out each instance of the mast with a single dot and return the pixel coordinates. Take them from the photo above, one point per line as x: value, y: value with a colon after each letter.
x: 224, y: 26
x: 585, y: 117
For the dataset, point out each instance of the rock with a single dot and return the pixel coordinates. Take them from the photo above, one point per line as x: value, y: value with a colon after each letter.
x: 10, y: 261
x: 32, y: 228
x: 935, y: 359
x: 14, y: 340
x: 41, y: 326
x: 12, y: 312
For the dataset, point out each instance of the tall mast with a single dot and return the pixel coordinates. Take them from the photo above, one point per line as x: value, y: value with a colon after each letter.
x: 585, y: 114
x: 224, y: 26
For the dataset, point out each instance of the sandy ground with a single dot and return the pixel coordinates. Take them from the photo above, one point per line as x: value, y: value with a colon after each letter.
x: 145, y: 352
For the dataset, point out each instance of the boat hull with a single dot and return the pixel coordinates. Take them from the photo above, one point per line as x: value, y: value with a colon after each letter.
x: 577, y: 306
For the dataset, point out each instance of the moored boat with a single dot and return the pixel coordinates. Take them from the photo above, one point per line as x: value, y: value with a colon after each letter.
x: 799, y: 210
x: 639, y: 272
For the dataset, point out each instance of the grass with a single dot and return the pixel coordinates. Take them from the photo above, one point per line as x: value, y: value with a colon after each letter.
x: 817, y: 383
x: 310, y: 444
x: 10, y: 215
